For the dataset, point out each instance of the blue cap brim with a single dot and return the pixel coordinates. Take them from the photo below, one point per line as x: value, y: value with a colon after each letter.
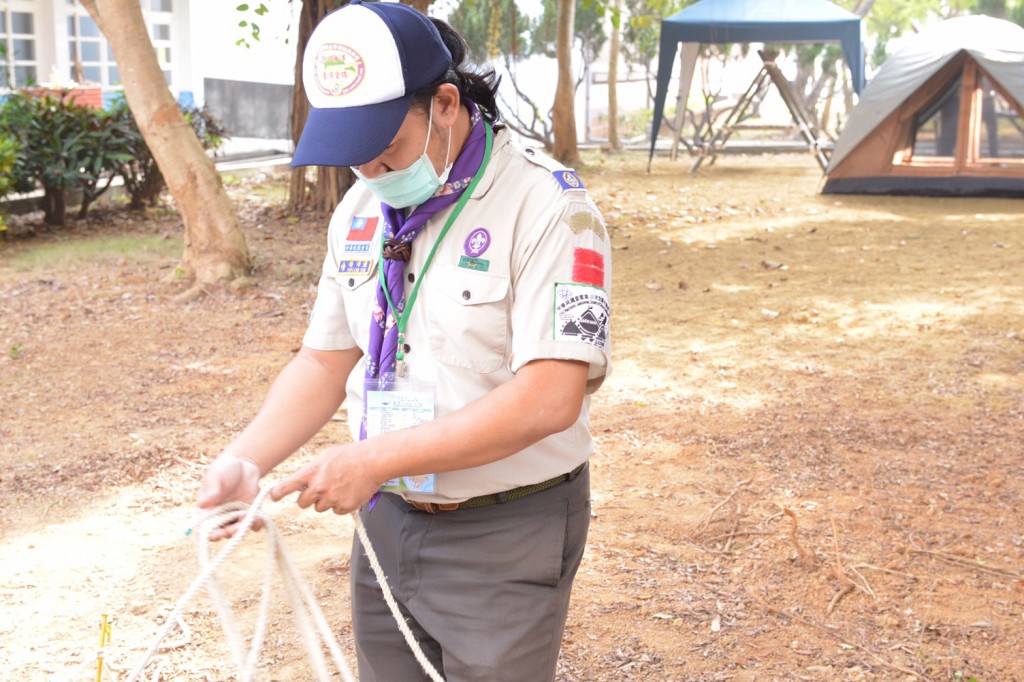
x: 349, y: 136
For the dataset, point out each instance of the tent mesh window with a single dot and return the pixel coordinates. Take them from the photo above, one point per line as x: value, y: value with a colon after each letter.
x: 1002, y: 132
x: 934, y: 131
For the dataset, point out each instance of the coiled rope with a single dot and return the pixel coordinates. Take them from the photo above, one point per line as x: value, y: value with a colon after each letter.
x: 311, y: 623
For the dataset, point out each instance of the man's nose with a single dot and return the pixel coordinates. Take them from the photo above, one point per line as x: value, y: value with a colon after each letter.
x: 371, y: 169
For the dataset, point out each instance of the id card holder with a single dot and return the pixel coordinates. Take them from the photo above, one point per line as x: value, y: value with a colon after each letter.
x: 394, y: 403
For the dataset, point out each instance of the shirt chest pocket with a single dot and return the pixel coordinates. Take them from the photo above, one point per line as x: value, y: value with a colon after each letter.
x: 358, y: 296
x: 469, y: 318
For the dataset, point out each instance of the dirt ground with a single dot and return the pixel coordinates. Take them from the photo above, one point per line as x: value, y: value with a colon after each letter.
x: 809, y: 453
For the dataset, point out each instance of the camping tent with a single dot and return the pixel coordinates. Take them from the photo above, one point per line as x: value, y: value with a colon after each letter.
x: 752, y: 21
x: 943, y: 116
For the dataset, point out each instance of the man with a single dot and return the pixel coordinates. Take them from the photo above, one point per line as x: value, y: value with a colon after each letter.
x: 463, y: 315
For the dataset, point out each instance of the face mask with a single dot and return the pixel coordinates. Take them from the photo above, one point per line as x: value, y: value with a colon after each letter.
x: 413, y: 185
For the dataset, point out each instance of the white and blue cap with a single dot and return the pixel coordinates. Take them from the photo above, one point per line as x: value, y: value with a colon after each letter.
x: 362, y: 65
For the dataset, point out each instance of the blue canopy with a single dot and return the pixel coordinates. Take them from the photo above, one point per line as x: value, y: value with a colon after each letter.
x: 756, y: 21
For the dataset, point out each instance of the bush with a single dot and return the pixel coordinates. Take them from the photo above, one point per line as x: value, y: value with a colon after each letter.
x: 105, y: 146
x: 8, y: 157
x: 142, y: 177
x: 49, y: 132
x: 63, y: 147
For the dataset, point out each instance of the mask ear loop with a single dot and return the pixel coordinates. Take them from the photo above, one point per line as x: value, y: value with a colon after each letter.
x: 430, y: 127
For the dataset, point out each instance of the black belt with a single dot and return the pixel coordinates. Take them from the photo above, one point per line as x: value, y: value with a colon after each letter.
x: 497, y: 498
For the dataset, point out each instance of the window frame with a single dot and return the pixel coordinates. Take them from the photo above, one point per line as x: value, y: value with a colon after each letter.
x: 8, y: 37
x: 152, y: 18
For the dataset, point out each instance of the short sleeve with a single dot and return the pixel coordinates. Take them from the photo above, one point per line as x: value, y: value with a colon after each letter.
x: 330, y: 326
x: 561, y: 288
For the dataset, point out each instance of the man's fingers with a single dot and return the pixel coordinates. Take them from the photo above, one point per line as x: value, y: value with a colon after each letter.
x: 229, y: 529
x: 295, y: 482
x: 209, y: 493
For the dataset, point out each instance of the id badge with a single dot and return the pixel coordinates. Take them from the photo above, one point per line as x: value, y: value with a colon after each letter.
x: 394, y: 403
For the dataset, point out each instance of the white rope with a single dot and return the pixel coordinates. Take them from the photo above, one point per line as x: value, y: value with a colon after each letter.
x: 403, y: 627
x: 311, y: 623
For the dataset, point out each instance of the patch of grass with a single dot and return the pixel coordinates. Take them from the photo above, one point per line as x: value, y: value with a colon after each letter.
x: 277, y: 194
x: 76, y: 250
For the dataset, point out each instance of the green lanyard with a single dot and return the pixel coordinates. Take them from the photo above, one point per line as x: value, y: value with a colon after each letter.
x: 401, y: 320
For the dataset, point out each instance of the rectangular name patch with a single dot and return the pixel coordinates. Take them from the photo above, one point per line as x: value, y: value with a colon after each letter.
x: 478, y: 264
x: 355, y: 266
x: 582, y: 314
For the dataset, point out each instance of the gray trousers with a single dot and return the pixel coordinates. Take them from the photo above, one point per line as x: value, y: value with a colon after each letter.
x: 485, y: 591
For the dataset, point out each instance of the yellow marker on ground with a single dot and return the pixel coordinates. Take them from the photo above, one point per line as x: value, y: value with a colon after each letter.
x: 104, y: 640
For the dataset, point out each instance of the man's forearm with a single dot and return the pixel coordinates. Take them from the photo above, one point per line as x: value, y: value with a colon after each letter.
x: 545, y: 398
x: 303, y: 398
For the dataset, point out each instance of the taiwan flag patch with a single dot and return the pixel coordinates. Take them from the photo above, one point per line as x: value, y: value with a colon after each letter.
x: 588, y: 267
x: 362, y: 229
x: 360, y: 234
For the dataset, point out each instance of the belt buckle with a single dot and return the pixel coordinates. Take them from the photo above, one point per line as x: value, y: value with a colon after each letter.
x: 434, y: 507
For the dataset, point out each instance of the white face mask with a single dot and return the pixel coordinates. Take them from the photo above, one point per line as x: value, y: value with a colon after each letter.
x: 413, y: 185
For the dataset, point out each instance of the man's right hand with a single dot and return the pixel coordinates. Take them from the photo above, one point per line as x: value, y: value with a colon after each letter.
x: 229, y: 479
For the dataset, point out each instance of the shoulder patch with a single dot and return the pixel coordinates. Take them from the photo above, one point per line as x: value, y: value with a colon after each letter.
x: 583, y: 219
x: 568, y: 179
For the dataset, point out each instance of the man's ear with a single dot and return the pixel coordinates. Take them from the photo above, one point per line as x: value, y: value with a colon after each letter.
x: 447, y: 102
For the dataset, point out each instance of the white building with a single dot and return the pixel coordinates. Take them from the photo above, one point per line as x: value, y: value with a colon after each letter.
x: 56, y: 43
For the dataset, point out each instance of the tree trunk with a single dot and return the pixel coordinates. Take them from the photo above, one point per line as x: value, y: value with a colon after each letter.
x: 331, y: 183
x: 564, y: 112
x: 614, y: 143
x: 215, y: 249
x: 55, y: 202
x: 421, y: 5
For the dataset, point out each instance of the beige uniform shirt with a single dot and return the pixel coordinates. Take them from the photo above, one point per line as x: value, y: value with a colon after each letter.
x: 523, y: 274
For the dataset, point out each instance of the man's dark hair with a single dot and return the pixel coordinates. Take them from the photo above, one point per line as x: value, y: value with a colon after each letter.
x: 477, y: 84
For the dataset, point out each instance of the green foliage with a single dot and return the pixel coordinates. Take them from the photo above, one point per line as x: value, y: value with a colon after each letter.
x: 641, y: 32
x: 104, y: 147
x: 254, y: 28
x: 142, y: 177
x: 5, y: 80
x: 63, y: 147
x: 492, y: 28
x: 588, y: 29
x: 50, y: 131
x: 889, y: 19
x: 8, y: 157
x: 208, y: 128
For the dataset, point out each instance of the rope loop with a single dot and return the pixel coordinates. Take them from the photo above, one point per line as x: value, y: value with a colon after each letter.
x: 312, y: 624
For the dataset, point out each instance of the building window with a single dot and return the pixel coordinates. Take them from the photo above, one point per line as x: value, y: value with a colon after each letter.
x: 158, y: 18
x: 91, y: 60
x: 18, y: 40
x: 91, y: 57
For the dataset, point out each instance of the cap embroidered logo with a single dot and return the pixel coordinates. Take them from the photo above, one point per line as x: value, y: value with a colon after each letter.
x: 338, y: 69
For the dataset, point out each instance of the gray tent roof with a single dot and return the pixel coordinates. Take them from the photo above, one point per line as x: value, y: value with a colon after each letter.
x: 755, y: 21
x: 996, y: 44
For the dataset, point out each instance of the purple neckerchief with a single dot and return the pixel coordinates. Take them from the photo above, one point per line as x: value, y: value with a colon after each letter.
x: 383, y: 331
